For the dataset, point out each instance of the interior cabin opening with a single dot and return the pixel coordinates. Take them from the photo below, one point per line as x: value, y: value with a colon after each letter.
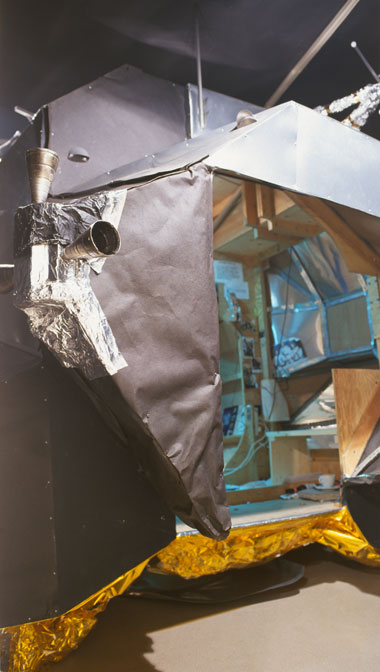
x: 296, y: 332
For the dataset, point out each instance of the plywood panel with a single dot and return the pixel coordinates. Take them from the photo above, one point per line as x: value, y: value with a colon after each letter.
x: 325, y: 461
x: 357, y: 401
x: 289, y: 457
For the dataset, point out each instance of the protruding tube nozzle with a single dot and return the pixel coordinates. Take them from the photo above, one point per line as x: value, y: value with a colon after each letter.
x: 6, y: 278
x: 42, y: 165
x: 101, y: 239
x: 244, y: 118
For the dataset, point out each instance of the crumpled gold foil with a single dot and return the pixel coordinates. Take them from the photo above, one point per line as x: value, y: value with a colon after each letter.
x: 192, y: 555
x: 35, y: 644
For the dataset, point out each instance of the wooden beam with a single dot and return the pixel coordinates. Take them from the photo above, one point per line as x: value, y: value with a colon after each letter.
x: 250, y: 203
x: 359, y: 256
x: 233, y: 226
x: 263, y: 233
x: 259, y: 295
x: 292, y: 227
x: 263, y: 494
x: 259, y: 257
x: 265, y: 201
x: 221, y: 205
x: 282, y: 202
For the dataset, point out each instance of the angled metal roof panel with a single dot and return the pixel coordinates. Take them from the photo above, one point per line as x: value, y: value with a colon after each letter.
x: 298, y: 149
x: 289, y: 146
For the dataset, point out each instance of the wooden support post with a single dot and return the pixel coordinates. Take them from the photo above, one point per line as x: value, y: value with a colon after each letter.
x: 250, y: 203
x: 258, y: 293
x: 265, y: 201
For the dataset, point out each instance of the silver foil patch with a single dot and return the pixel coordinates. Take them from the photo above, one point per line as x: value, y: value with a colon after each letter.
x: 63, y: 311
x: 367, y: 100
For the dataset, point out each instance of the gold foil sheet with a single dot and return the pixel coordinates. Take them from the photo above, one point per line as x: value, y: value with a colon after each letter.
x: 33, y: 645
x: 192, y: 555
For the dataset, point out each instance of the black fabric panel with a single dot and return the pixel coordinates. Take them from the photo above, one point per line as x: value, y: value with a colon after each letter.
x: 27, y: 558
x: 363, y: 501
x: 107, y: 517
x: 117, y: 119
x: 158, y: 295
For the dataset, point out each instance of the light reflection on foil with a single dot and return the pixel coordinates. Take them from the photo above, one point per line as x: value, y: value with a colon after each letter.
x: 64, y: 312
x: 367, y: 100
x: 193, y: 555
x: 57, y: 296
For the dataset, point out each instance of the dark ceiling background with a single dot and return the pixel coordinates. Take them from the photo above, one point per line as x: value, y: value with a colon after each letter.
x: 248, y: 46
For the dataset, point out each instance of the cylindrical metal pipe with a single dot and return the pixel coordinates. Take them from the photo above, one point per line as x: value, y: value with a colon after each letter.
x: 6, y: 278
x: 42, y: 165
x: 101, y: 239
x: 199, y: 67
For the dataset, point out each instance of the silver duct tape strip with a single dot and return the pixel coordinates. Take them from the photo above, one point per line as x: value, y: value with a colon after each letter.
x: 367, y: 100
x: 63, y: 311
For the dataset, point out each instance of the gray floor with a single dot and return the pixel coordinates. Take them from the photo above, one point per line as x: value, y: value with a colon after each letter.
x: 327, y: 622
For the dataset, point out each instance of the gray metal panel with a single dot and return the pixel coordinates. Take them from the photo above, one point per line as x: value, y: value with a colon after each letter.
x: 172, y: 159
x: 348, y: 326
x: 319, y: 409
x: 305, y: 324
x: 28, y: 564
x: 326, y: 267
x: 289, y: 146
x: 75, y: 510
x: 118, y: 119
x: 285, y: 292
x: 107, y: 517
x: 219, y: 110
x: 298, y: 149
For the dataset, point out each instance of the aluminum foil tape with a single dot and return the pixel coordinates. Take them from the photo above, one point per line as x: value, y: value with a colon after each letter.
x: 56, y: 294
x: 366, y: 99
